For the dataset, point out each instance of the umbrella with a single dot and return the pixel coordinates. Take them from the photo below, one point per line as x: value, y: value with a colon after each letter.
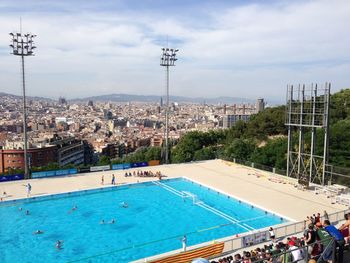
x: 200, y: 260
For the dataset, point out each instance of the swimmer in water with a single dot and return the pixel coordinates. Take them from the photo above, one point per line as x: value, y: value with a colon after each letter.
x: 102, y: 221
x: 27, y: 212
x: 20, y: 209
x: 75, y: 207
x: 59, y: 244
x: 125, y: 205
x: 112, y: 221
x: 38, y: 232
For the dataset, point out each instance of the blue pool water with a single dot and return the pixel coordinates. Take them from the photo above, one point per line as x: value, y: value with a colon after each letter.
x: 154, y: 222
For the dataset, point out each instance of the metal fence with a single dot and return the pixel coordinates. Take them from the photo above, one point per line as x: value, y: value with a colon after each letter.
x: 334, y: 174
x: 285, y: 230
x: 230, y: 244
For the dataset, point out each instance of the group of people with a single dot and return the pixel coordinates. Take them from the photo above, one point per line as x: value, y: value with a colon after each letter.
x: 59, y: 243
x: 316, y: 241
x: 27, y: 213
x: 112, y: 179
x: 148, y: 174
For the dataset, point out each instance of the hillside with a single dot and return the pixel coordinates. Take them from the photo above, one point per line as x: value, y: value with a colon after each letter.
x: 262, y: 140
x: 156, y: 98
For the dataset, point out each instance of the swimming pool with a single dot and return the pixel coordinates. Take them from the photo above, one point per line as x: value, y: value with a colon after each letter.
x: 157, y: 216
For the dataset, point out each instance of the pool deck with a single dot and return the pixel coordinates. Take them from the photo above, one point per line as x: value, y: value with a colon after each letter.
x: 265, y: 190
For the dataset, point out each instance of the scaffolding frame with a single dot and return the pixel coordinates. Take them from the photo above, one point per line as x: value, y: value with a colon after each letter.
x: 307, y: 110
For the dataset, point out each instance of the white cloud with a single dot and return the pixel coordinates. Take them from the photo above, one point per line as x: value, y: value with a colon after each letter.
x: 250, y: 50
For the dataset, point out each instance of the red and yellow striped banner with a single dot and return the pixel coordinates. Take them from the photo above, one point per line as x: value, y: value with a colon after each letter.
x: 188, y: 256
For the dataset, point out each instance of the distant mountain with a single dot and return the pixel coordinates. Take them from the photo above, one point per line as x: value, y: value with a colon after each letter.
x: 19, y: 97
x: 146, y: 98
x: 153, y: 98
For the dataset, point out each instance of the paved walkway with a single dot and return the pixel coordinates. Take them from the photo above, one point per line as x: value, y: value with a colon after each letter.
x: 268, y: 191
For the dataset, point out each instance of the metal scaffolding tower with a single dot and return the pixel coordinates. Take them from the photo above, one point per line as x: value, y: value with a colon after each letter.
x: 307, y: 115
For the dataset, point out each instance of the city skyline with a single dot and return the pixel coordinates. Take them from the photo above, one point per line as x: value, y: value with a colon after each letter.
x: 241, y: 49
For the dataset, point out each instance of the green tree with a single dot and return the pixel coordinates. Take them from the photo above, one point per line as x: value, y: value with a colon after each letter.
x: 340, y: 106
x: 104, y: 160
x: 240, y: 149
x: 206, y: 153
x: 237, y: 131
x: 266, y: 123
x: 48, y: 167
x: 153, y: 153
x: 273, y: 154
x: 339, y: 150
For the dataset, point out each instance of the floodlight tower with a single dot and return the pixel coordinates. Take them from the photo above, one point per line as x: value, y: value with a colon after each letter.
x: 23, y: 45
x: 167, y: 60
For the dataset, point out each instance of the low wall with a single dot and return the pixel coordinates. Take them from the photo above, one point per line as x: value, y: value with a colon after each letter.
x: 54, y: 173
x: 13, y: 177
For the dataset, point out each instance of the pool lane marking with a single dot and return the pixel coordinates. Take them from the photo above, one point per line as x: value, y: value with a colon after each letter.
x: 209, y: 228
x: 203, y: 205
x: 170, y: 189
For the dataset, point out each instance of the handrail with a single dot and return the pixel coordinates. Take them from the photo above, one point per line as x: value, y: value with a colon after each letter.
x: 231, y: 244
x: 236, y: 243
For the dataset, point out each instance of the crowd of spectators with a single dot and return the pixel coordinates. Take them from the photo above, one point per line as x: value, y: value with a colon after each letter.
x: 317, y: 241
x: 143, y: 174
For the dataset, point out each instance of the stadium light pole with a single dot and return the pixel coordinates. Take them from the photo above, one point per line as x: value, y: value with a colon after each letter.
x: 167, y: 60
x: 23, y: 45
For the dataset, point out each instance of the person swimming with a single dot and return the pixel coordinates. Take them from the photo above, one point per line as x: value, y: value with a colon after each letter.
x: 75, y: 207
x: 59, y: 244
x: 20, y: 208
x: 27, y: 212
x: 38, y: 232
x: 102, y: 221
x: 112, y: 221
x: 124, y: 205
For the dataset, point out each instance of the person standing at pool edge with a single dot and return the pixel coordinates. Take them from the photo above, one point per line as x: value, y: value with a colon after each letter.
x: 29, y: 189
x: 184, y: 243
x: 113, y: 179
x: 272, y: 235
x: 102, y: 179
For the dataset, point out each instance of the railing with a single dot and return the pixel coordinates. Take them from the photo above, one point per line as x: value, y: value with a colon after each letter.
x: 334, y: 174
x: 261, y: 236
x: 230, y: 244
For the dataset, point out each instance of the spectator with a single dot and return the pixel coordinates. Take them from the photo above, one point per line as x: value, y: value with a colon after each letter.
x: 344, y: 229
x: 326, y: 241
x: 272, y: 234
x: 325, y: 215
x: 334, y: 232
x: 237, y: 258
x: 295, y: 251
x: 347, y: 223
x: 318, y: 218
x: 310, y: 238
x: 246, y: 257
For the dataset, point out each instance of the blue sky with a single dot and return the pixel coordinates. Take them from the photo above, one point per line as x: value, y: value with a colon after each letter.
x: 227, y: 48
